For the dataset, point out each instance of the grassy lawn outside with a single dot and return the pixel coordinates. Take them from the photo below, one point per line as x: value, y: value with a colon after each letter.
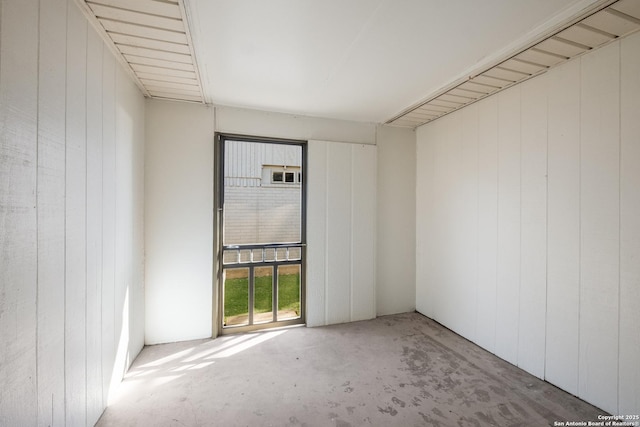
x: 236, y: 295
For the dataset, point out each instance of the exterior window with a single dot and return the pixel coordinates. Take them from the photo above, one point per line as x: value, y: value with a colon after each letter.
x: 286, y: 175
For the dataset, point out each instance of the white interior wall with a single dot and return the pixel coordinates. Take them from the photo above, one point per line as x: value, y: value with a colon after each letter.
x: 341, y: 237
x: 278, y: 125
x: 179, y: 221
x: 340, y: 281
x: 71, y: 211
x: 527, y: 225
x: 341, y: 218
x: 179, y: 200
x: 396, y: 216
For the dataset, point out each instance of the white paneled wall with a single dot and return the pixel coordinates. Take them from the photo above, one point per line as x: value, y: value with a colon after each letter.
x: 528, y: 225
x: 599, y: 226
x: 71, y: 205
x: 396, y: 213
x: 563, y: 226
x: 487, y: 223
x: 179, y: 221
x: 341, y: 223
x: 629, y: 386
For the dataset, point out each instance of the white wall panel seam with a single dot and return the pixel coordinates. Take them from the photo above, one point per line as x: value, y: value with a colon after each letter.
x: 101, y: 277
x: 325, y: 147
x: 519, y: 231
x: 477, y: 299
x: 66, y: 155
x: 546, y: 239
x: 619, y: 214
x: 37, y: 207
x: 497, y: 135
x: 86, y: 225
x: 580, y: 67
x: 351, y: 201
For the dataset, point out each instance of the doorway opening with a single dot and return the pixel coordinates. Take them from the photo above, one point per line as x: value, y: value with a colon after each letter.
x: 261, y: 206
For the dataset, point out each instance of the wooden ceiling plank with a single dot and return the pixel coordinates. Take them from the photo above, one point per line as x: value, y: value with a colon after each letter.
x: 169, y: 85
x: 127, y: 28
x: 562, y: 47
x: 628, y: 7
x: 155, y: 54
x: 477, y: 87
x: 421, y: 115
x: 611, y: 23
x: 173, y: 90
x: 150, y: 44
x: 464, y: 93
x: 168, y: 10
x: 436, y: 108
x: 440, y: 104
x: 136, y: 17
x: 139, y: 68
x: 143, y: 60
x: 496, y: 81
x: 445, y: 103
x: 583, y: 36
x: 491, y: 81
x: 540, y: 57
x: 454, y: 98
x: 166, y: 78
x: 174, y: 96
x: 522, y: 66
x: 503, y: 73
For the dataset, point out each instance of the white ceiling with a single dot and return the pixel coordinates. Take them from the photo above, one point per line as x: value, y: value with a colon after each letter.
x: 364, y: 60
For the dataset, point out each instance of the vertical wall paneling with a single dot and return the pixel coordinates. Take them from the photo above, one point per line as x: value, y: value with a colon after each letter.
x: 75, y: 244
x: 51, y: 211
x: 600, y: 227
x: 425, y: 209
x: 396, y: 218
x: 57, y: 215
x: 18, y: 216
x: 558, y: 233
x: 508, y: 273
x: 563, y: 227
x: 469, y: 222
x: 487, y: 222
x: 341, y: 251
x: 108, y: 223
x: 363, y: 221
x: 339, y: 241
x: 124, y: 223
x: 446, y: 238
x: 178, y: 206
x: 94, y: 227
x: 316, y: 236
x: 629, y: 374
x: 137, y: 303
x: 533, y: 252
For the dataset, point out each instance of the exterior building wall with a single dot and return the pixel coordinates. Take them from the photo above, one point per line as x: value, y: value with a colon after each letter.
x: 257, y: 210
x: 262, y: 214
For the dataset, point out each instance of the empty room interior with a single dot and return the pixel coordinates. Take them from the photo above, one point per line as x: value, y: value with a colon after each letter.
x: 367, y: 212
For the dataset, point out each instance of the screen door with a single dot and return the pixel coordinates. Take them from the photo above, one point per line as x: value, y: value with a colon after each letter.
x: 262, y: 233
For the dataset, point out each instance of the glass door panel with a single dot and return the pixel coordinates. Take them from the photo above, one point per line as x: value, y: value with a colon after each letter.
x: 262, y: 232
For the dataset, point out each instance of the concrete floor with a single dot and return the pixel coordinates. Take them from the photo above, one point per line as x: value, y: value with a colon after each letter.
x: 400, y: 370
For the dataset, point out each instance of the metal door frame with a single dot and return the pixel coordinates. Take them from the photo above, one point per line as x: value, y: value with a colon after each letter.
x: 219, y: 328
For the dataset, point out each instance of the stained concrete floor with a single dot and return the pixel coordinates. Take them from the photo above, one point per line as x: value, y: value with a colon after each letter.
x: 400, y: 370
